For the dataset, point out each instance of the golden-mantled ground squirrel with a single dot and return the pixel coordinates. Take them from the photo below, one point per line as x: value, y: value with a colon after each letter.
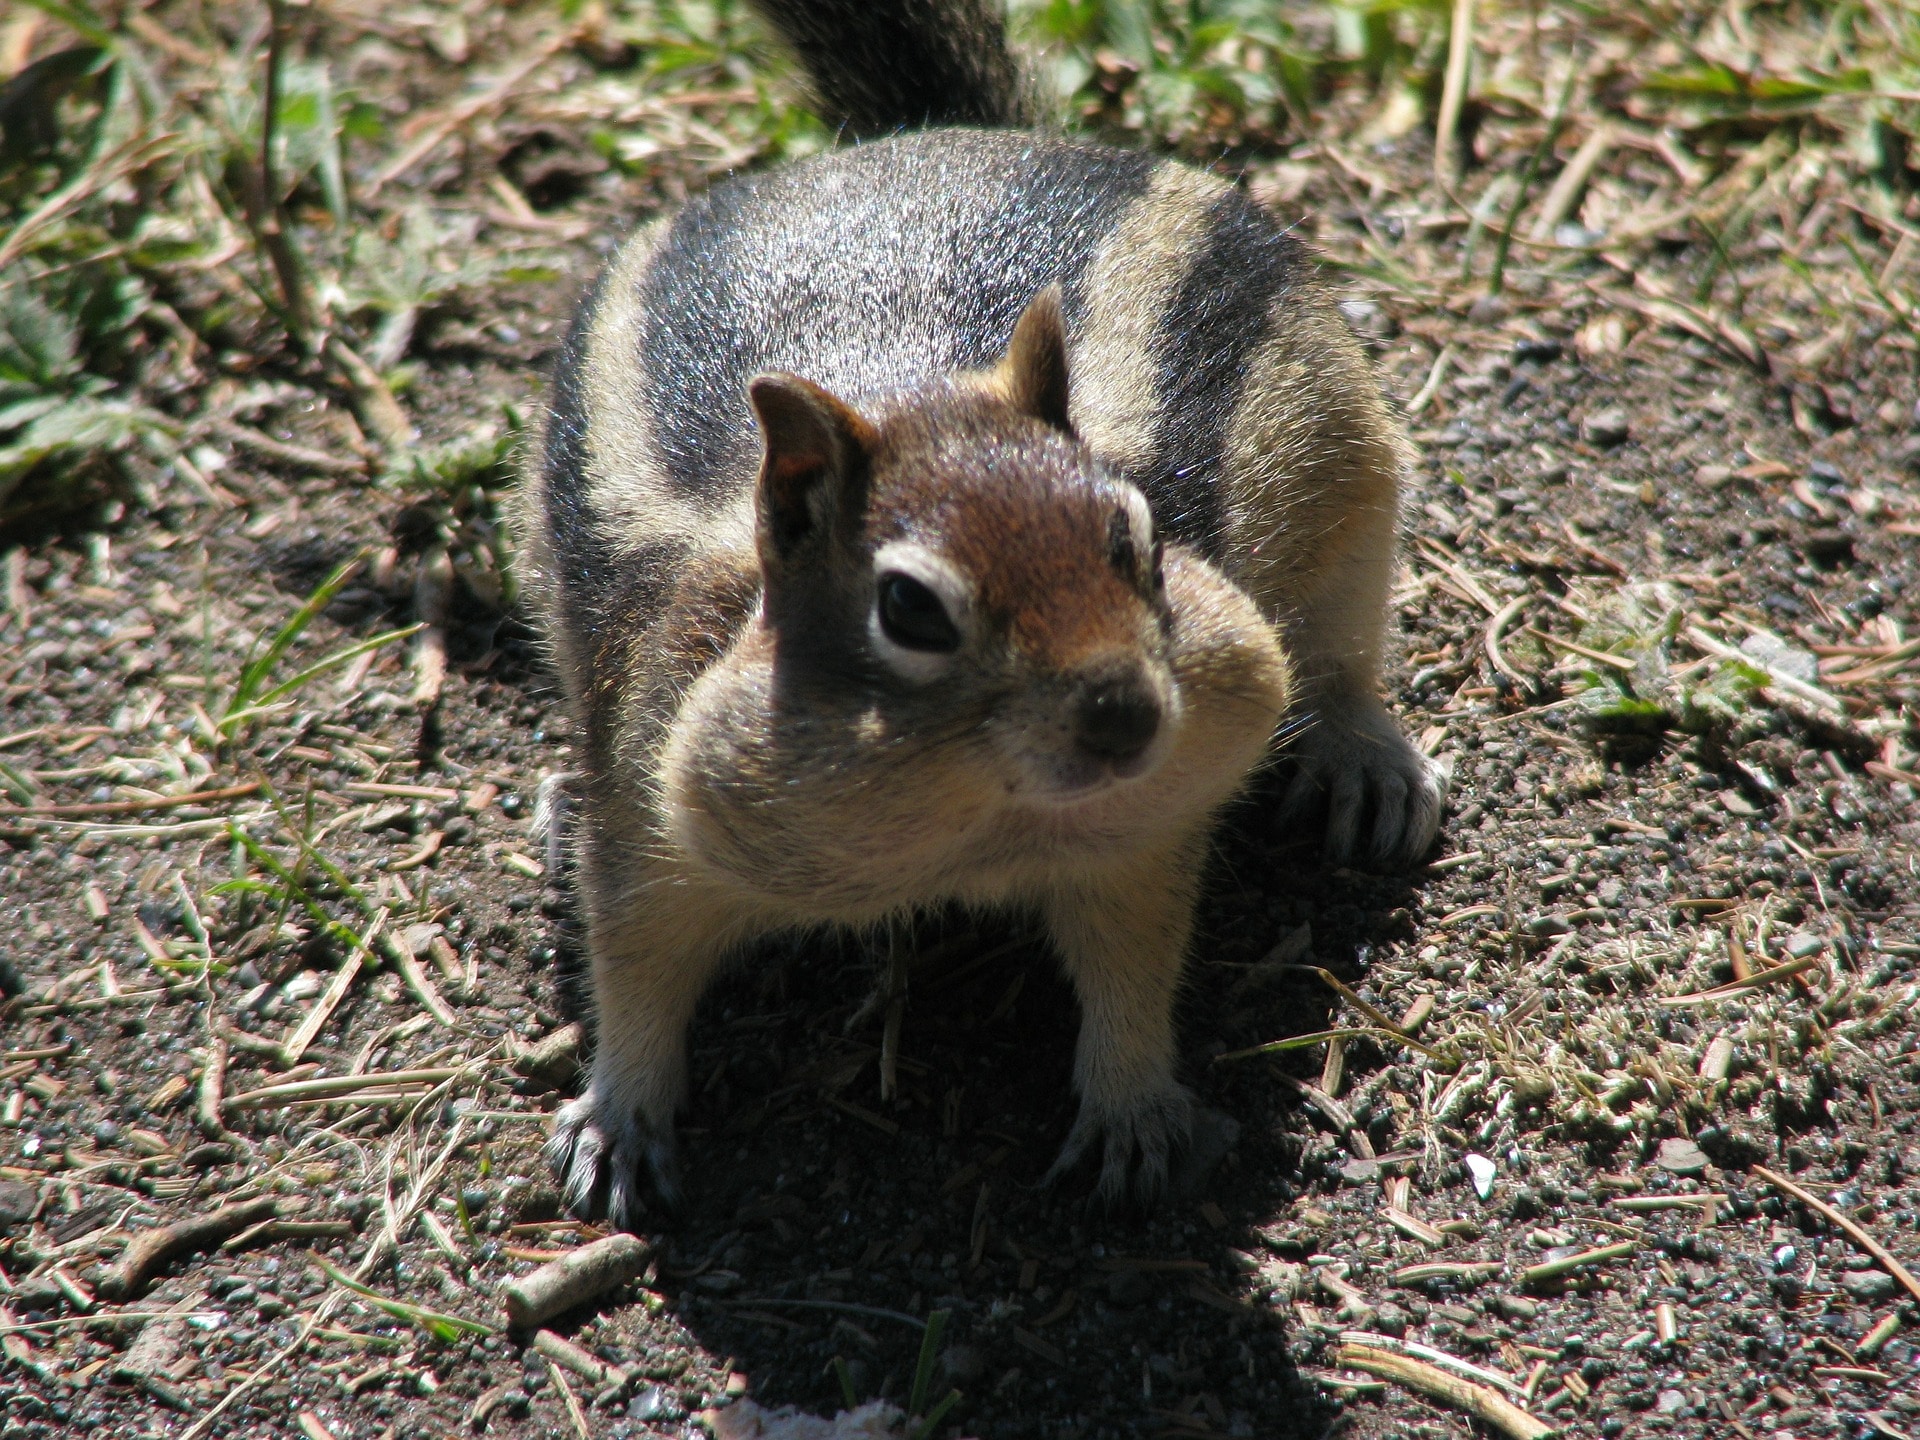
x: 952, y: 517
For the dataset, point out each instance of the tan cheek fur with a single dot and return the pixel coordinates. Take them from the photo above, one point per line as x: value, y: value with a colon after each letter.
x: 849, y: 816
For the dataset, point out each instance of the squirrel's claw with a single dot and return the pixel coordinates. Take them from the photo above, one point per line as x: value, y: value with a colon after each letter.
x: 1353, y: 761
x: 600, y: 1158
x: 1137, y: 1145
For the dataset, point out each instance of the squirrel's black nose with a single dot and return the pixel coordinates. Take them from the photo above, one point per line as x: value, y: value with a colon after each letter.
x: 1117, y: 719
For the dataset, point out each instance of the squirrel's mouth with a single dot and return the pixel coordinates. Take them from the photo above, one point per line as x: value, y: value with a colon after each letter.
x: 1066, y: 781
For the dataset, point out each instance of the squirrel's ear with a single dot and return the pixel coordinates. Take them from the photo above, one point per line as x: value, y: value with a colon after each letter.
x: 817, y: 450
x: 1034, y: 373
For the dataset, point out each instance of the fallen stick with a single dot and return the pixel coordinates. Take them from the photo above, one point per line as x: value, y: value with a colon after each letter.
x: 432, y: 598
x: 581, y: 1362
x: 134, y: 807
x: 339, y: 1086
x: 562, y: 1284
x: 396, y: 949
x: 1852, y: 1231
x: 1769, y: 976
x: 150, y: 1249
x: 213, y: 1085
x: 1555, y: 1269
x: 1479, y: 1401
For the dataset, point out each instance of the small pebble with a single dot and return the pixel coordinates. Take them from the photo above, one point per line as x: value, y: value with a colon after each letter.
x: 1681, y: 1157
x: 1868, y: 1285
x: 1606, y: 428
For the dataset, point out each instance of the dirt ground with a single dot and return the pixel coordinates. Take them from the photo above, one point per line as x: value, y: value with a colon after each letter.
x: 1619, y: 1105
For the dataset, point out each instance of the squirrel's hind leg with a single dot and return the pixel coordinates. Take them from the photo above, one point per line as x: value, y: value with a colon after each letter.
x: 1122, y: 935
x: 655, y: 946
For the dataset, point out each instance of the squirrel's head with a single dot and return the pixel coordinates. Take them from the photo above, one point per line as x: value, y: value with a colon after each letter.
x: 955, y: 561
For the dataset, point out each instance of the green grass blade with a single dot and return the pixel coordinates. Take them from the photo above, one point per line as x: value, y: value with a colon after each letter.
x: 18, y: 785
x: 266, y: 860
x: 939, y: 1413
x: 255, y: 674
x: 436, y: 1323
x: 310, y: 854
x: 1320, y: 1037
x: 314, y: 671
x: 845, y: 1377
x: 929, y: 1352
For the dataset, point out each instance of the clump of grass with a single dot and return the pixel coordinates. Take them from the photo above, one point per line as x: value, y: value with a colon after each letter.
x: 253, y: 697
x: 1240, y: 73
x: 1639, y: 624
x: 68, y: 430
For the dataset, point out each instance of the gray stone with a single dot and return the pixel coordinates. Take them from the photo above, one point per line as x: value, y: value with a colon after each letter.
x: 1607, y: 427
x: 18, y: 1201
x: 1680, y: 1156
x: 1868, y: 1285
x: 1770, y: 652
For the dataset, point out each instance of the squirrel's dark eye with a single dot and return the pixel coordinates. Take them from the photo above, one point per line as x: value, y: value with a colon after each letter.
x: 913, y: 616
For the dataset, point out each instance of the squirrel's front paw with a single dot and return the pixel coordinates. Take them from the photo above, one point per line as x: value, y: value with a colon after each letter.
x: 598, y: 1152
x: 1136, y: 1141
x: 1354, y: 761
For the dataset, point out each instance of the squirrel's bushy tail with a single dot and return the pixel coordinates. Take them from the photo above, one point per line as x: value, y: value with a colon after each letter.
x: 877, y: 66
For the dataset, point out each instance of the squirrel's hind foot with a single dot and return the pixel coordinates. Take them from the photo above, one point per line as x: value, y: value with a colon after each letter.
x: 1354, y: 762
x: 603, y: 1161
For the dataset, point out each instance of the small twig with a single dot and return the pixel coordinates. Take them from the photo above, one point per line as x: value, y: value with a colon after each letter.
x: 1413, y: 1349
x: 338, y: 1086
x: 1571, y: 181
x: 591, y: 1270
x: 463, y: 113
x: 373, y: 401
x: 396, y: 949
x: 1346, y: 992
x: 1471, y: 1271
x: 1496, y: 627
x: 213, y: 1081
x: 302, y: 1035
x: 135, y: 807
x: 565, y: 1352
x: 570, y: 1400
x: 1585, y: 652
x: 1777, y: 680
x: 1479, y: 1401
x: 1435, y: 376
x: 1852, y: 1231
x: 109, y: 1002
x: 1454, y: 93
x: 150, y: 1249
x: 1770, y: 976
x: 1320, y: 1037
x: 1554, y: 1269
x: 300, y: 457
